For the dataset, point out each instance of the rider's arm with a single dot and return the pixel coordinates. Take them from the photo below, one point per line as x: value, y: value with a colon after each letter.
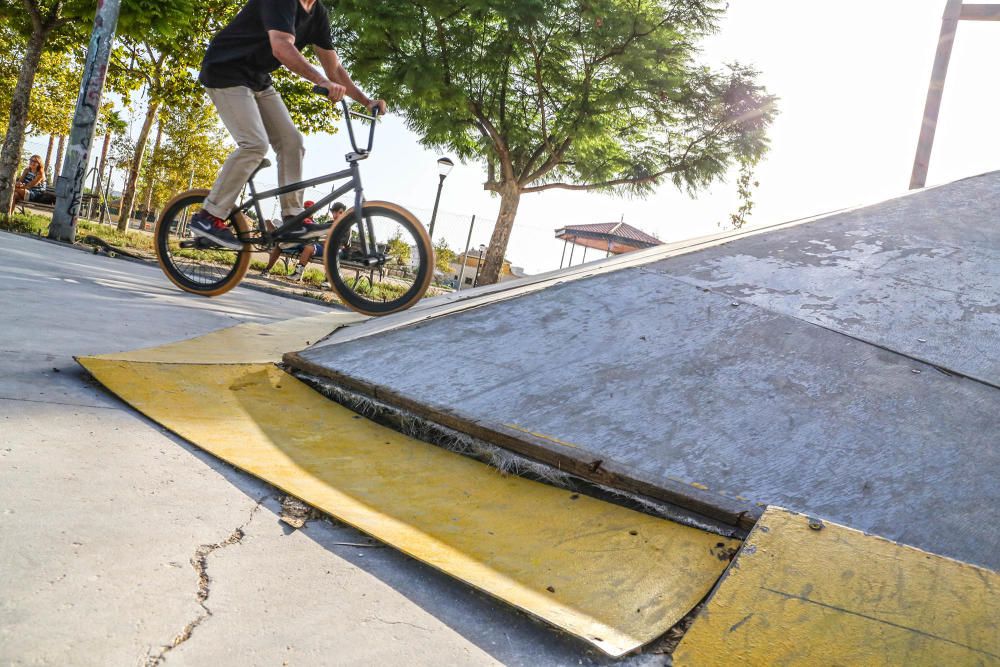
x: 283, y: 48
x: 336, y: 72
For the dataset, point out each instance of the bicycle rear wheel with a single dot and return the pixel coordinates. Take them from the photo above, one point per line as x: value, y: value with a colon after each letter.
x: 191, y: 264
x: 399, y: 273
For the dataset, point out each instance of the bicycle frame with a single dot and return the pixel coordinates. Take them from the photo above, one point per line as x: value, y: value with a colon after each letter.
x: 366, y: 232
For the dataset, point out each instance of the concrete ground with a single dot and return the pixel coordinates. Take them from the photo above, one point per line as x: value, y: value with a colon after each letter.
x: 121, y: 544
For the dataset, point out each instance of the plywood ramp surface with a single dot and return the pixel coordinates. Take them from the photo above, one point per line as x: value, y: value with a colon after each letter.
x: 612, y: 576
x: 807, y: 592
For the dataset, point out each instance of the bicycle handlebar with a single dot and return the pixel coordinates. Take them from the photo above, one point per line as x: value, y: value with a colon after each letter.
x: 320, y: 90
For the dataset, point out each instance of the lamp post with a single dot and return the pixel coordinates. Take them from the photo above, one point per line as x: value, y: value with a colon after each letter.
x: 444, y: 166
x: 479, y: 264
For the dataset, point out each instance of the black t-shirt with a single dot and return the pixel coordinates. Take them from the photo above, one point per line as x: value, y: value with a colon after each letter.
x: 240, y: 55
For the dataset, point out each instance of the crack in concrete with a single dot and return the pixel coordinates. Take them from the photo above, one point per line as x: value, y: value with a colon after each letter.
x: 71, y: 405
x: 199, y: 561
x: 382, y: 620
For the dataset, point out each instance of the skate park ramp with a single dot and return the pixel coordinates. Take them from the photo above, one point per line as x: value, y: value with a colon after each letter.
x: 846, y: 366
x: 846, y: 423
x: 554, y: 553
x: 798, y: 590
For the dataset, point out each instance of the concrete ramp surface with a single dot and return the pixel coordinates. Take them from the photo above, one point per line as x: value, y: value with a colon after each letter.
x: 846, y: 367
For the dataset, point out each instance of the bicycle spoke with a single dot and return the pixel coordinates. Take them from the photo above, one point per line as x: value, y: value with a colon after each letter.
x: 192, y: 263
x: 391, y: 273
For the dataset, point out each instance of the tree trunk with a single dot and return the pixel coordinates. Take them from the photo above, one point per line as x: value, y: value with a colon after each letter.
x: 151, y: 173
x: 103, y: 162
x: 49, y: 176
x: 60, y: 149
x: 13, y: 143
x: 128, y: 196
x: 510, y: 197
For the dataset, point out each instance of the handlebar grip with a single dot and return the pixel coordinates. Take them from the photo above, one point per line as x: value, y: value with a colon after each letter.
x: 320, y: 90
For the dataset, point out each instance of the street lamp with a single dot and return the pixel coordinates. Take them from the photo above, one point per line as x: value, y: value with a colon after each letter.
x: 444, y: 166
x: 475, y: 281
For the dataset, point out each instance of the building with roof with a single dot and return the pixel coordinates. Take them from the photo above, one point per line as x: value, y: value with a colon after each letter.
x: 465, y: 269
x: 612, y: 238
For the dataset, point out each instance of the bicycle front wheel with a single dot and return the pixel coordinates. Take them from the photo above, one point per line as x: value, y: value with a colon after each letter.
x: 191, y: 265
x: 392, y: 278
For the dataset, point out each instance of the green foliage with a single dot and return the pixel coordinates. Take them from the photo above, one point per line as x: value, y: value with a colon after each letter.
x: 110, y: 121
x: 399, y: 249
x: 133, y: 240
x: 379, y: 291
x: 444, y: 256
x: 25, y: 224
x: 745, y: 185
x: 192, y: 152
x: 605, y: 95
x: 311, y: 112
x: 314, y: 277
x: 56, y: 86
x: 72, y: 20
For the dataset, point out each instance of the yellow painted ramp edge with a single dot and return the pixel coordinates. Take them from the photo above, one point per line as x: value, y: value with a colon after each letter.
x: 807, y: 592
x: 243, y: 343
x: 612, y: 576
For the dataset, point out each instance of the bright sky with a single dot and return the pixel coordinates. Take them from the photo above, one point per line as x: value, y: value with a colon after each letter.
x: 852, y: 77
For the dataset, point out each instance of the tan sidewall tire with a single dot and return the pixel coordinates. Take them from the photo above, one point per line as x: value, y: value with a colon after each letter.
x: 424, y: 237
x: 242, y: 261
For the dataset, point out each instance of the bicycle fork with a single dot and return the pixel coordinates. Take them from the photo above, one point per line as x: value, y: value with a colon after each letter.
x: 366, y: 231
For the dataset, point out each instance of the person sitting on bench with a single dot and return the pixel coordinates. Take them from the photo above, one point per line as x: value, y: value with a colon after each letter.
x: 31, y: 185
x: 306, y: 252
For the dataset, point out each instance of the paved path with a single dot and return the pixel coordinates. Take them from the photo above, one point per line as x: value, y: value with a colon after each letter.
x: 102, y: 512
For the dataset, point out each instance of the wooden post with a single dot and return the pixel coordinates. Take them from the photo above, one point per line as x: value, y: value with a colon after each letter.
x: 954, y: 12
x: 69, y: 186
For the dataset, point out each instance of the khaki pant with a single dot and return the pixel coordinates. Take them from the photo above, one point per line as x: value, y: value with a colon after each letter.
x: 255, y: 119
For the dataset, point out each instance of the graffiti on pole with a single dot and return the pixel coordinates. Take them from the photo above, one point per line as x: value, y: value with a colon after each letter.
x: 70, y: 184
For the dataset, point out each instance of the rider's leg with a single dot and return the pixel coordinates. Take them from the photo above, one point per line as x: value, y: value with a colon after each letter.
x: 239, y: 111
x: 307, y: 254
x: 272, y: 260
x: 288, y: 145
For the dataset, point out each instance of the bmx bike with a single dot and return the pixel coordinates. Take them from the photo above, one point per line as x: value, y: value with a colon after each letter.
x: 378, y: 257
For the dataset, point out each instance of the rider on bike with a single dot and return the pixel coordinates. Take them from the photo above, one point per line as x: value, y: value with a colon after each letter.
x: 236, y: 72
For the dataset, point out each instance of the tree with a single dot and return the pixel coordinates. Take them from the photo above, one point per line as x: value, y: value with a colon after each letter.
x: 164, y: 67
x: 110, y: 125
x: 57, y: 25
x: 399, y: 249
x: 444, y: 256
x: 194, y: 148
x: 593, y: 95
x: 54, y: 89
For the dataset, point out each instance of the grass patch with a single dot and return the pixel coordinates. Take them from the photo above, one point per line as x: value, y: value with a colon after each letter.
x: 277, y: 270
x: 131, y: 240
x: 314, y: 277
x: 224, y: 257
x: 26, y: 223
x: 378, y: 291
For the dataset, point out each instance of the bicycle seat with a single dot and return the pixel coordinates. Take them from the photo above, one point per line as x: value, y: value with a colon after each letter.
x: 264, y: 164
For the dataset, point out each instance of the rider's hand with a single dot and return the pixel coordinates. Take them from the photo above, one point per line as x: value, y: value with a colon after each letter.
x: 377, y: 103
x: 334, y: 91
